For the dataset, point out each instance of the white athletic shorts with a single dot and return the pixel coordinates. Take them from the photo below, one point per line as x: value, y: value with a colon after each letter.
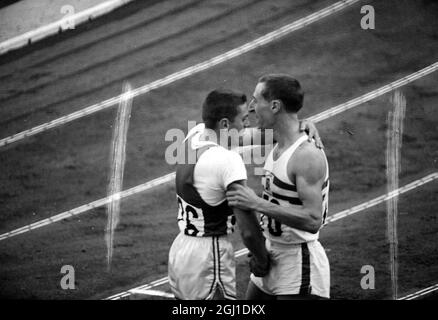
x: 296, y: 269
x: 200, y: 265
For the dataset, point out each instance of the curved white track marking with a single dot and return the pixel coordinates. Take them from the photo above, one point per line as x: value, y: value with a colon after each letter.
x: 259, y: 42
x: 151, y: 292
x: 330, y: 219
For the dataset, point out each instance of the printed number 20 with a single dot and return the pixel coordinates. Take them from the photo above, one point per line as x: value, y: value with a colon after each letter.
x: 276, y: 230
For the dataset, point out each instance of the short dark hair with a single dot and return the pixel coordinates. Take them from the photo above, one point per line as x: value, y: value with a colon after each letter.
x: 221, y: 103
x: 285, y: 88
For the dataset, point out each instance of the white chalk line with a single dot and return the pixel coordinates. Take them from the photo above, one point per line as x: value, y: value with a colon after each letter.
x: 395, y: 120
x: 92, y: 205
x: 374, y: 94
x: 54, y: 27
x: 259, y: 42
x: 332, y: 218
x: 420, y: 293
x: 383, y: 198
x: 117, y: 165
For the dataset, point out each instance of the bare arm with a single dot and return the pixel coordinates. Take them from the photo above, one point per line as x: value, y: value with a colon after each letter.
x: 309, y: 170
x: 311, y: 130
x: 250, y: 229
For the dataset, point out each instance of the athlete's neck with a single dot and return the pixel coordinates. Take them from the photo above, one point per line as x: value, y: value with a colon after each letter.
x: 287, y: 129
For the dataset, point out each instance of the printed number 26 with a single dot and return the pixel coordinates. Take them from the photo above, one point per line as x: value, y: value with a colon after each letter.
x: 190, y: 228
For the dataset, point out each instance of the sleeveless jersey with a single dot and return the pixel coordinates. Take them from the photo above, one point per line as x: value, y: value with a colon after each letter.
x: 278, y: 189
x: 196, y: 217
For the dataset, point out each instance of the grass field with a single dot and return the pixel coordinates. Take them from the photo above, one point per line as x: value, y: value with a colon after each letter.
x: 334, y: 59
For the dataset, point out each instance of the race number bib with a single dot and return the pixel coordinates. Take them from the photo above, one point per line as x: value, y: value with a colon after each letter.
x: 188, y: 217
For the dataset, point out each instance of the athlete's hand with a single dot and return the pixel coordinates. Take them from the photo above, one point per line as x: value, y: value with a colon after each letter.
x: 257, y: 267
x: 243, y: 197
x: 310, y: 128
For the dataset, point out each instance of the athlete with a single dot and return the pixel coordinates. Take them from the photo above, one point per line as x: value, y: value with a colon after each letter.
x: 201, y: 258
x: 294, y: 203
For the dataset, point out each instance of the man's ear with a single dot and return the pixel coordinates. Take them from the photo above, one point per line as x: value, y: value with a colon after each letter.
x: 276, y: 106
x: 224, y: 123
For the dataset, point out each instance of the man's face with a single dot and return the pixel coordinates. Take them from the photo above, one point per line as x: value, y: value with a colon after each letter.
x: 261, y: 108
x: 241, y: 120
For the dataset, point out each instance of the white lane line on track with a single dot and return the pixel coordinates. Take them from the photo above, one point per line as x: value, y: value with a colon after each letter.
x: 382, y: 198
x: 151, y: 292
x: 420, y: 293
x: 92, y: 205
x: 332, y: 218
x: 374, y: 94
x: 54, y: 27
x: 259, y: 42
